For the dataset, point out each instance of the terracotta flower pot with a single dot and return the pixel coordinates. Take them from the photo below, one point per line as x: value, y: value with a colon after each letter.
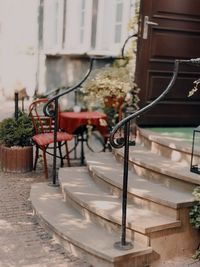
x: 113, y: 102
x: 16, y: 159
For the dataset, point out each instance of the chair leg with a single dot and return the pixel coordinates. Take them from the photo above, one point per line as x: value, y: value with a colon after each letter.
x: 45, y: 162
x: 36, y: 157
x: 67, y: 154
x: 61, y: 157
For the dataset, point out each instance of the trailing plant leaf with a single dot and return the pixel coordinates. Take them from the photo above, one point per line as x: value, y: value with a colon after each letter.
x: 196, y: 193
x: 194, y: 214
x: 196, y: 256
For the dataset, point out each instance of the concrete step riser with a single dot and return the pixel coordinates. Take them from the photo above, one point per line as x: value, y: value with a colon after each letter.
x: 157, y: 177
x: 73, y: 248
x: 78, y: 235
x: 137, y: 201
x: 175, y: 241
x: 172, y: 153
x: 168, y: 237
x: 96, y: 217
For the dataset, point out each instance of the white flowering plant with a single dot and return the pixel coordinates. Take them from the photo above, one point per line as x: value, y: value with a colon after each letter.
x: 111, y: 89
x: 108, y: 82
x: 195, y: 87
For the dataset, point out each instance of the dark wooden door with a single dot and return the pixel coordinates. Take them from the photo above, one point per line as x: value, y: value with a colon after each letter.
x: 174, y: 34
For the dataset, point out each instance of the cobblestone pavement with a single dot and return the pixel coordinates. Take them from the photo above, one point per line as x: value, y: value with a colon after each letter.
x: 23, y: 242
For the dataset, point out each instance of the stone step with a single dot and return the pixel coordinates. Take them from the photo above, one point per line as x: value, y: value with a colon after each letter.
x: 81, y: 236
x: 170, y: 147
x: 142, y: 191
x: 78, y: 186
x: 160, y: 169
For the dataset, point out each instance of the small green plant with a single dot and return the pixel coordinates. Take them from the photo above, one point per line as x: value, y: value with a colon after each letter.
x: 195, y: 217
x: 16, y: 133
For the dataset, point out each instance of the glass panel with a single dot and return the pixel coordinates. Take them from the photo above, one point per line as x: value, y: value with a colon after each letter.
x: 119, y: 12
x: 82, y: 18
x: 118, y: 33
x: 81, y: 35
x: 82, y: 21
x: 83, y: 4
x: 94, y: 23
x: 118, y: 21
x: 56, y: 22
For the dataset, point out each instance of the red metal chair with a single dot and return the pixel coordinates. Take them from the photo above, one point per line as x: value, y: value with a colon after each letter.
x: 44, y: 134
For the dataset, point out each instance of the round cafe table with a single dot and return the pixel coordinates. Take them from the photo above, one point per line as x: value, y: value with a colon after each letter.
x: 77, y: 123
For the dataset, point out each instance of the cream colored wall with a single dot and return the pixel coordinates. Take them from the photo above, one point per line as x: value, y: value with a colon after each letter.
x: 18, y: 48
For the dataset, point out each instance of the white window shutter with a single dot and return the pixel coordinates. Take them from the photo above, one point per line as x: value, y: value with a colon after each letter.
x: 53, y: 23
x: 78, y: 26
x: 112, y: 26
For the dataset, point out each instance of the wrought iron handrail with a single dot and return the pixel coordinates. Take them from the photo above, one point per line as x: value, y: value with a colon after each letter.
x: 120, y: 142
x: 68, y: 90
x: 55, y: 98
x: 73, y: 88
x: 55, y: 91
x: 54, y: 114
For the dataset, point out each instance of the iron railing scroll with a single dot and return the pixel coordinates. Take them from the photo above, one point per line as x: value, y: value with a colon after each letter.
x: 54, y: 113
x: 119, y: 142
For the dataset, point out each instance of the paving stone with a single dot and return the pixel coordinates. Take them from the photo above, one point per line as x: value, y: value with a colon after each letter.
x: 23, y: 242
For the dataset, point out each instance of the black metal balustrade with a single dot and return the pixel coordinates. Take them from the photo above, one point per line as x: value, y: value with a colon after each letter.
x: 54, y: 113
x: 115, y: 142
x: 119, y: 142
x: 67, y: 90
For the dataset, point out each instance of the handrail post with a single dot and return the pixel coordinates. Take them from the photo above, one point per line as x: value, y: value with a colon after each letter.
x: 123, y: 244
x: 124, y: 142
x: 55, y: 141
x: 16, y: 106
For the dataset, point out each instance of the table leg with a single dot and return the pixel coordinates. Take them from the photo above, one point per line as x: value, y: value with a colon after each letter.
x: 82, y: 149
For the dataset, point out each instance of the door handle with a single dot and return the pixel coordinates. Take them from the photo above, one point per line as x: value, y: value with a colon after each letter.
x: 147, y: 22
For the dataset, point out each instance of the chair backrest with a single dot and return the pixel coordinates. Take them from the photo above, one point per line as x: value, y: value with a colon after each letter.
x: 42, y: 123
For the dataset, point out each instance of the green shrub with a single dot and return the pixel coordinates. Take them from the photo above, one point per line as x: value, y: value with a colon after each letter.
x: 16, y: 133
x: 195, y: 217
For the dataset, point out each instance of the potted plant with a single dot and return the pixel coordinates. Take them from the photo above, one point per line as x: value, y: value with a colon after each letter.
x: 16, y: 150
x: 111, y: 89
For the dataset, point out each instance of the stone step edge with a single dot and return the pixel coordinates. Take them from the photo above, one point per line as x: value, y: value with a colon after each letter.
x: 105, y: 216
x: 90, y: 250
x: 145, y: 196
x: 157, y: 138
x: 155, y: 168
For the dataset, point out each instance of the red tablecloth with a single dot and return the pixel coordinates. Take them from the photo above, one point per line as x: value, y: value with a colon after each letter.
x: 71, y: 121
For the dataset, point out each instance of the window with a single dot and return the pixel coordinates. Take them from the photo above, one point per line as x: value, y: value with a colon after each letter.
x: 85, y: 26
x: 118, y: 21
x: 82, y: 21
x: 53, y: 14
x: 78, y: 26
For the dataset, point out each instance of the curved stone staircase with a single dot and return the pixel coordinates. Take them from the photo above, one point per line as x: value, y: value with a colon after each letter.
x: 84, y: 213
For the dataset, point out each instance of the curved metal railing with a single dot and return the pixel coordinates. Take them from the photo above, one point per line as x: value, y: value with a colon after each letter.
x: 54, y: 114
x: 120, y: 142
x: 67, y: 90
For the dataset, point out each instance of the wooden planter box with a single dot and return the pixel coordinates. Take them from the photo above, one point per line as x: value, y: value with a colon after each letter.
x: 16, y: 159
